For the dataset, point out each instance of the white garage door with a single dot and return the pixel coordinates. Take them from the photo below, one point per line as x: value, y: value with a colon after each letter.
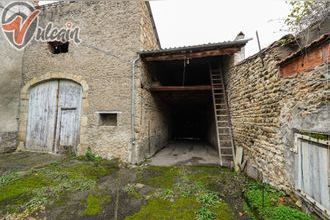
x: 54, y: 116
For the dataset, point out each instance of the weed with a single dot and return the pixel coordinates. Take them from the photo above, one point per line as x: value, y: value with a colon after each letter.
x: 205, y: 214
x: 167, y: 194
x: 286, y: 213
x: 131, y: 191
x: 90, y: 156
x: 208, y: 199
x: 263, y: 203
x: 7, y: 177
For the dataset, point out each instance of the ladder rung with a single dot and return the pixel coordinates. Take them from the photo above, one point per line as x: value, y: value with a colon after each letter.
x: 226, y: 155
x: 222, y: 121
x: 223, y: 127
x: 223, y: 134
x: 225, y: 147
x: 222, y: 115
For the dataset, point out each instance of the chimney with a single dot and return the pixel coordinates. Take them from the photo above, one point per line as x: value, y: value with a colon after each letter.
x: 239, y: 56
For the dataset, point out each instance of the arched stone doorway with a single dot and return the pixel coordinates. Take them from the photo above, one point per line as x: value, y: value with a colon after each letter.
x: 53, y: 123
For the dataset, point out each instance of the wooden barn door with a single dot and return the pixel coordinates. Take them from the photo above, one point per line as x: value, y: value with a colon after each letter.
x: 54, y: 116
x: 314, y: 171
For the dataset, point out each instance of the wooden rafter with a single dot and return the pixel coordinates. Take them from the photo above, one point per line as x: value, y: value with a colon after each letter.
x: 191, y: 55
x: 181, y: 88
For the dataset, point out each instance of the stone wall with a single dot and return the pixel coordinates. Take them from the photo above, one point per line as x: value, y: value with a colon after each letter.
x: 152, y: 121
x: 110, y: 34
x: 305, y: 107
x: 267, y: 109
x: 253, y: 96
x: 8, y: 142
x: 10, y: 82
x: 149, y: 36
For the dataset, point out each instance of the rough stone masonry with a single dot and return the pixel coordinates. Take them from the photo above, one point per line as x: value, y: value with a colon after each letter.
x: 267, y: 109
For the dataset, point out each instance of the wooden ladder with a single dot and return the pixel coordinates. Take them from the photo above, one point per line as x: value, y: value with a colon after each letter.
x: 222, y: 118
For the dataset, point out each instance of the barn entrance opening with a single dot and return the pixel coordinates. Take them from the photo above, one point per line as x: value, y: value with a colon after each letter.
x: 184, y: 87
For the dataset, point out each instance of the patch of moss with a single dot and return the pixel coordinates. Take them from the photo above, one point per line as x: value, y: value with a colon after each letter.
x: 23, y: 185
x: 209, y: 176
x: 135, y: 195
x: 318, y: 136
x: 36, y: 188
x: 182, y: 208
x: 222, y: 211
x: 159, y: 177
x: 95, y: 204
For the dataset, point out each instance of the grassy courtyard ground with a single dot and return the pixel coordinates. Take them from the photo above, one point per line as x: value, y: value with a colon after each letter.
x: 42, y: 186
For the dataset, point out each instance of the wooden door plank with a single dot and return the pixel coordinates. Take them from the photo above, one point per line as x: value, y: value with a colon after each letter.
x: 323, y: 162
x: 306, y: 168
x: 41, y: 118
x: 315, y: 170
x: 69, y: 109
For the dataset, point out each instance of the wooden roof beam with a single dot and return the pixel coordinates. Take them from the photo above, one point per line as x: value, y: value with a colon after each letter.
x: 191, y: 55
x: 181, y: 88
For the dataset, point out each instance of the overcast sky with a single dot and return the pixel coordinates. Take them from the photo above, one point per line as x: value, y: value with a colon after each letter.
x: 190, y: 22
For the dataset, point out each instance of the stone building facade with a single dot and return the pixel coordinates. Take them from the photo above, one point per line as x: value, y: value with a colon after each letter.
x: 112, y: 32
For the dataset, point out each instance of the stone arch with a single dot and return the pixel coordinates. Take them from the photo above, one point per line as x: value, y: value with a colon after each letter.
x: 53, y: 76
x: 24, y: 105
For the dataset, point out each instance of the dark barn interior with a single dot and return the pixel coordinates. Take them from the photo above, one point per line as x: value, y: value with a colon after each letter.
x: 184, y: 86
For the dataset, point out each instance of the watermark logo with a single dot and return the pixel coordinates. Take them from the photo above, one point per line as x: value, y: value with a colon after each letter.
x: 20, y: 24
